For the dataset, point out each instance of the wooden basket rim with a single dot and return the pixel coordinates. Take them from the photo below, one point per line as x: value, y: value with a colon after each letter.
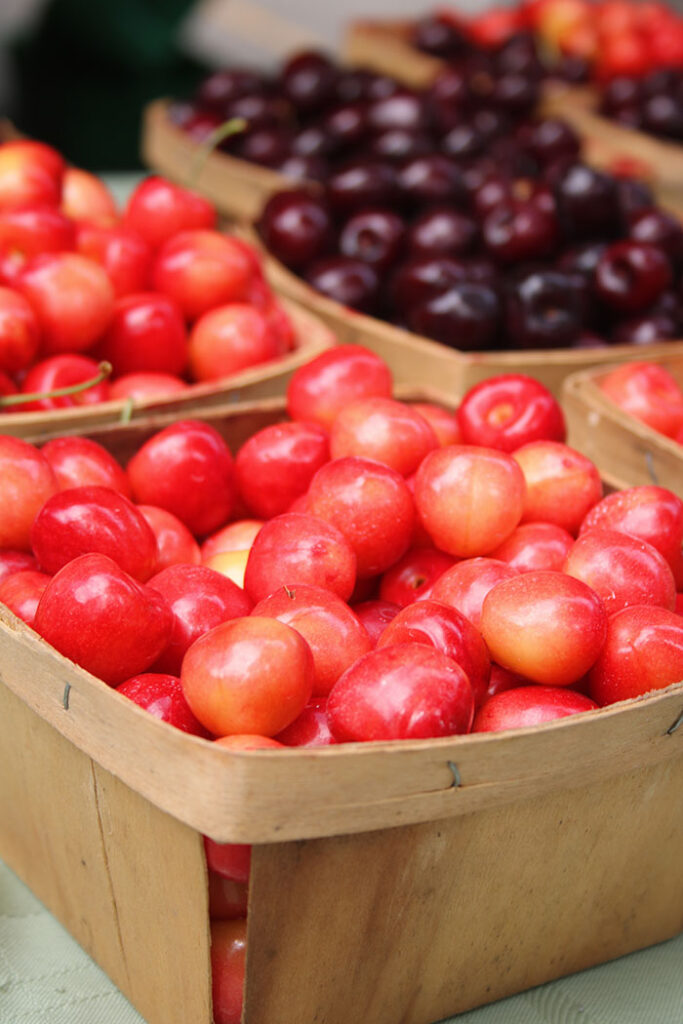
x: 521, y: 360
x: 312, y: 337
x: 269, y: 796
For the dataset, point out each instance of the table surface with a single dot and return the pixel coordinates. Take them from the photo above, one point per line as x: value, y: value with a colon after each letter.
x: 46, y: 978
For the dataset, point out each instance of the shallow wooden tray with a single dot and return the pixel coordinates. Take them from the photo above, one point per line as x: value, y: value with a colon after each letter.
x: 419, y: 361
x: 236, y: 187
x: 312, y: 337
x: 394, y: 881
x: 626, y: 451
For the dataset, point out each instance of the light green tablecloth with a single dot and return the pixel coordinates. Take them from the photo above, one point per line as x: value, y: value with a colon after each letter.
x: 45, y: 978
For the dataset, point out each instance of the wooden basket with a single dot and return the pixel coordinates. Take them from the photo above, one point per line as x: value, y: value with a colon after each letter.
x: 387, y: 47
x: 390, y: 881
x: 626, y: 451
x: 269, y: 379
x: 237, y: 187
x: 418, y: 360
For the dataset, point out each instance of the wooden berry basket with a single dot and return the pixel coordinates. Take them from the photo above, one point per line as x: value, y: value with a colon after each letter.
x: 386, y: 46
x: 236, y: 187
x: 626, y: 451
x: 313, y: 336
x: 418, y: 360
x: 390, y: 881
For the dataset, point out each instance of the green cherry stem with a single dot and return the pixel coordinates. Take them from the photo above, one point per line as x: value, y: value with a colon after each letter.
x: 232, y: 127
x: 103, y: 371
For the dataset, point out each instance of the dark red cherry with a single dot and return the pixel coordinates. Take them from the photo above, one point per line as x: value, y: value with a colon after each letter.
x: 374, y: 236
x: 588, y: 202
x: 645, y: 330
x: 361, y: 183
x: 543, y: 310
x: 296, y: 227
x: 572, y: 68
x: 660, y: 228
x: 403, y: 109
x: 442, y: 231
x: 552, y: 139
x: 314, y: 140
x: 308, y: 81
x: 352, y: 84
x: 440, y: 37
x: 431, y: 179
x: 260, y: 111
x: 266, y: 146
x: 351, y: 282
x: 346, y: 125
x: 582, y: 259
x: 515, y: 94
x: 620, y: 91
x: 635, y: 197
x: 663, y: 115
x: 631, y: 275
x: 465, y: 317
x: 400, y: 144
x: 464, y: 141
x: 424, y: 278
x: 220, y: 89
x: 520, y: 230
x: 304, y: 168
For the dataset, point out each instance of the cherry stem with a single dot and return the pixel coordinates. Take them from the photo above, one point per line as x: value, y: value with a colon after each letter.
x: 232, y: 127
x: 103, y: 371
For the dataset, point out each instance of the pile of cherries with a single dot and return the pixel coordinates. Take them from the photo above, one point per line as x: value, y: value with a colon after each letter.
x: 652, y: 103
x: 315, y: 116
x: 366, y: 569
x: 636, y: 88
x: 480, y: 258
x: 155, y: 290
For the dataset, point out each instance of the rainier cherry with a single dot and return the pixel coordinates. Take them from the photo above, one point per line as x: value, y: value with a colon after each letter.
x: 334, y: 633
x: 302, y: 549
x: 81, y: 520
x: 27, y: 482
x: 248, y: 675
x: 447, y: 630
x: 116, y: 629
x: 372, y: 506
x: 529, y: 705
x: 402, y: 691
x: 199, y: 599
x: 72, y: 297
x: 200, y: 270
x: 508, y: 411
x: 189, y: 450
x: 561, y: 484
x: 319, y: 390
x: 276, y: 465
x: 162, y: 696
x: 80, y: 462
x: 546, y: 626
x: 19, y: 332
x: 643, y: 651
x: 385, y: 430
x: 158, y: 209
x: 469, y: 499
